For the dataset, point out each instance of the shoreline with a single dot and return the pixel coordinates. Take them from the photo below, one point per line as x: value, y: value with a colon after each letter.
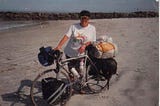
x: 19, y: 24
x: 7, y: 25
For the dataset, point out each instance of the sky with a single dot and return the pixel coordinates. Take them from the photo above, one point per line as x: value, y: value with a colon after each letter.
x: 78, y: 5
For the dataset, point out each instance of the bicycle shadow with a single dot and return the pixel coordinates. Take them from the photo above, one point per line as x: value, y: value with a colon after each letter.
x: 21, y: 96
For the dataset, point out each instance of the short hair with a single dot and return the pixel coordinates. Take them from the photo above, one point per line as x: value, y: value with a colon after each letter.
x: 84, y: 13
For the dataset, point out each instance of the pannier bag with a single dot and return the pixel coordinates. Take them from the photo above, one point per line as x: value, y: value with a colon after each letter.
x: 52, y: 89
x: 107, y: 66
x: 44, y: 56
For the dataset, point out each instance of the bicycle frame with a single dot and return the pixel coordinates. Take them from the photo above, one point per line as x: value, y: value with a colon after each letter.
x: 61, y: 62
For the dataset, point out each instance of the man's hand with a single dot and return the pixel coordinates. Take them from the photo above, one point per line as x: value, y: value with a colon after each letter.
x: 57, y: 48
x: 82, y: 49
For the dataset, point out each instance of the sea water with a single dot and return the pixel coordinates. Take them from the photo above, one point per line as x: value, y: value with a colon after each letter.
x: 5, y: 25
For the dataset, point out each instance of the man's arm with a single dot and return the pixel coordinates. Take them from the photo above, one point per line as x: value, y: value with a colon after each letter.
x: 61, y: 43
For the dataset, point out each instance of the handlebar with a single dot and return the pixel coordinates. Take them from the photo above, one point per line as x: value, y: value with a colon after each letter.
x: 57, y: 55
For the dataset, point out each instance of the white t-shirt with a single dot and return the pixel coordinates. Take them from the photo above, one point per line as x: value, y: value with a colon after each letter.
x: 78, y: 36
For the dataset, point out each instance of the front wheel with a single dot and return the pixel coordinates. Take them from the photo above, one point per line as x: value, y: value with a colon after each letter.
x: 96, y: 82
x: 37, y: 95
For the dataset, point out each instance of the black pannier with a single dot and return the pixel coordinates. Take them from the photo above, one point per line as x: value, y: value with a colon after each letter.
x: 51, y: 88
x: 108, y: 67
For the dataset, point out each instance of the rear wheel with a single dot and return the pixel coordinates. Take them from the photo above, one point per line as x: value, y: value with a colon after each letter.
x: 95, y: 81
x: 36, y: 89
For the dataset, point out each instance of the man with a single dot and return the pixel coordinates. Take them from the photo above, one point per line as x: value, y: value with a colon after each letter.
x: 79, y: 35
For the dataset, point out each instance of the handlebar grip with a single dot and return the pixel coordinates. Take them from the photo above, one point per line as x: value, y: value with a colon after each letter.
x: 56, y: 54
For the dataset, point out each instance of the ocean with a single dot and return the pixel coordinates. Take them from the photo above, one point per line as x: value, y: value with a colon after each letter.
x: 6, y: 25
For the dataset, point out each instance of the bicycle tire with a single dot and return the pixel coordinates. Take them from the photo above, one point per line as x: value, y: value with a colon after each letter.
x: 36, y: 89
x: 95, y: 83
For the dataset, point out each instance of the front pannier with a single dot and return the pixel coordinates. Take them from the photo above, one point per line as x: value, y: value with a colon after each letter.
x: 52, y: 89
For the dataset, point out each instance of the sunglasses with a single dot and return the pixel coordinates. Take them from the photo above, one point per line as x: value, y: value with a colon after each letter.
x: 84, y: 18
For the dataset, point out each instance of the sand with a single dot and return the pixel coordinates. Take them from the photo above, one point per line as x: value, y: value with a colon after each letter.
x: 136, y: 85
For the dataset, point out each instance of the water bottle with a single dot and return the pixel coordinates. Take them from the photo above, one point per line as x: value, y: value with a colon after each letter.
x: 75, y: 73
x: 81, y: 65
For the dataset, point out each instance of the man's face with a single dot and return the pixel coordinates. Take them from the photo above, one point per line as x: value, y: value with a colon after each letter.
x: 84, y: 21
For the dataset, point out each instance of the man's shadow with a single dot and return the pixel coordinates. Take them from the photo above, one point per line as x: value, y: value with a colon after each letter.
x: 19, y: 96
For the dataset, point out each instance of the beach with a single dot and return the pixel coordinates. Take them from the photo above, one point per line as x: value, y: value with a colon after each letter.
x: 138, y: 61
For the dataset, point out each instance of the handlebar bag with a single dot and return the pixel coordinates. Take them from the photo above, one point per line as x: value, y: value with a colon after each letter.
x: 44, y: 56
